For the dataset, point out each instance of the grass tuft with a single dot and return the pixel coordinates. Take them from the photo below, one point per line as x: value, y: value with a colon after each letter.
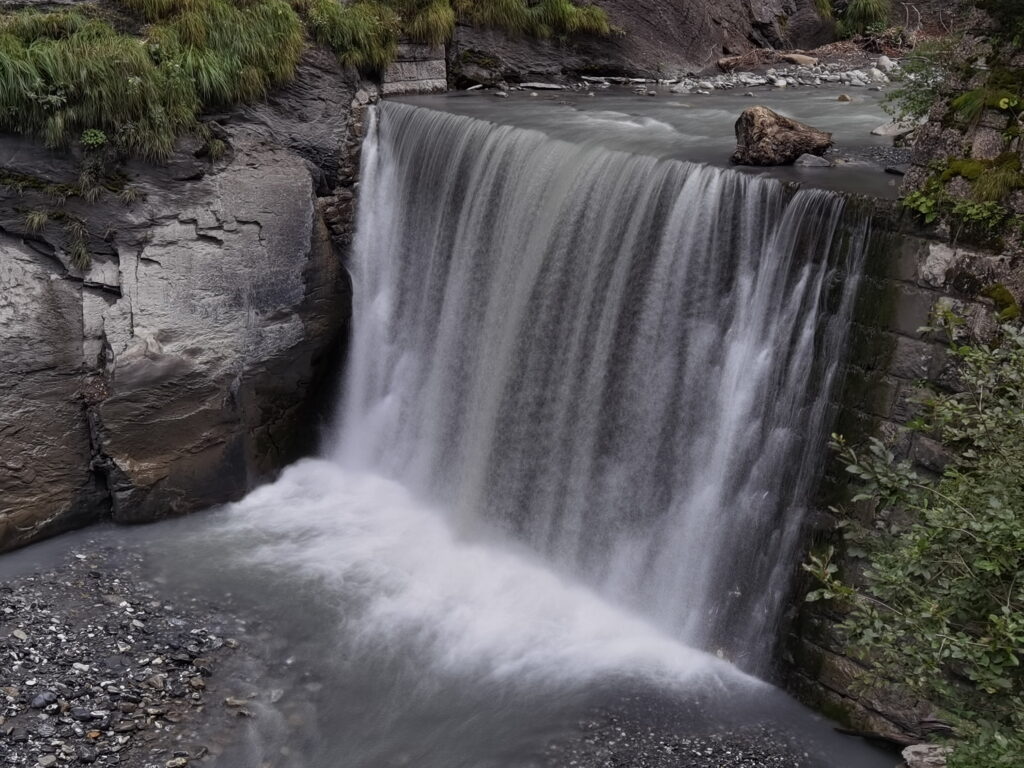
x: 862, y: 15
x: 431, y: 22
x: 363, y: 35
x: 66, y: 75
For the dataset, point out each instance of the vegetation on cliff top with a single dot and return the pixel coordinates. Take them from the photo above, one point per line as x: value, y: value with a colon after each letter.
x: 66, y: 72
x: 939, y: 608
x: 974, y: 76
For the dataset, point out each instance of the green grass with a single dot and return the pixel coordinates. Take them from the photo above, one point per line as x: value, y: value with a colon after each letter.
x: 431, y: 22
x: 363, y: 35
x: 547, y: 18
x: 862, y: 15
x: 63, y: 74
x: 69, y: 76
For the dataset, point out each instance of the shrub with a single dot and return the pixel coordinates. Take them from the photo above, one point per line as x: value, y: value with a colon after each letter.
x: 941, y: 607
x: 922, y: 80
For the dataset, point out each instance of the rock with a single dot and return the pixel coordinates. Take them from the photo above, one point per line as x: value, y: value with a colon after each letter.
x: 663, y: 35
x: 157, y: 682
x: 885, y: 64
x: 764, y: 137
x: 926, y: 756
x: 501, y: 94
x: 417, y: 68
x: 46, y: 761
x: 186, y: 361
x: 812, y: 161
x: 176, y: 762
x: 898, y: 170
x: 800, y: 59
x: 19, y: 635
x: 895, y: 129
x: 844, y: 97
x: 44, y: 699
x: 876, y: 75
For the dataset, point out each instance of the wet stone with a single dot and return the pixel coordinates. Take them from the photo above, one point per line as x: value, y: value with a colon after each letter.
x: 44, y: 699
x: 77, y: 692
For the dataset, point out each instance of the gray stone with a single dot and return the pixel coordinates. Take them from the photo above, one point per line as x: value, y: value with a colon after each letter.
x: 926, y: 756
x: 885, y: 64
x: 686, y: 37
x: 416, y: 69
x: 44, y: 699
x: 184, y: 362
x: 895, y: 129
x: 812, y: 161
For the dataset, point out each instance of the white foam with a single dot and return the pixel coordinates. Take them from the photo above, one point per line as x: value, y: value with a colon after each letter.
x: 469, y: 606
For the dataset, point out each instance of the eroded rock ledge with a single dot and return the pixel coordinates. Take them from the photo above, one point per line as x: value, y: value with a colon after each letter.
x: 187, y: 361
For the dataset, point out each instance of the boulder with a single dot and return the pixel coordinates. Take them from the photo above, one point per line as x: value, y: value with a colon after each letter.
x: 764, y: 137
x: 895, y: 129
x: 885, y: 64
x: 925, y: 756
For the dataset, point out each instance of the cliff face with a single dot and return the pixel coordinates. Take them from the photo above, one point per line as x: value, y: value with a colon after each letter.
x: 659, y: 38
x: 186, y: 361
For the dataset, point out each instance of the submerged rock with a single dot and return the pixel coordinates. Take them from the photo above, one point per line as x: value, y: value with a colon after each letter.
x: 764, y: 137
x: 812, y: 161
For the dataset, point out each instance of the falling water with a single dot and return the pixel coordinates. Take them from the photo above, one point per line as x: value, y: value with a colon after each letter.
x: 623, y: 362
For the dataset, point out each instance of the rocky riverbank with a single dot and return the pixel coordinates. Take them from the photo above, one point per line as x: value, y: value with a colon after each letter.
x: 99, y: 670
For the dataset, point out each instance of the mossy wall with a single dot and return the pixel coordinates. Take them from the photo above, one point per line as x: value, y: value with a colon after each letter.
x: 909, y: 274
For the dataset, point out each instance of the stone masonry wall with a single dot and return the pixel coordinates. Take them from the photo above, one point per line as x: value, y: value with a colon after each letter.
x: 909, y: 275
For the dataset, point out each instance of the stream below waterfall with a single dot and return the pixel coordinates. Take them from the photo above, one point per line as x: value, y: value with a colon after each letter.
x: 559, y: 515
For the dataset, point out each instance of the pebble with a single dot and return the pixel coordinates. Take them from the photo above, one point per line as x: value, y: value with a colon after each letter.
x: 44, y: 699
x: 75, y: 688
x: 803, y: 74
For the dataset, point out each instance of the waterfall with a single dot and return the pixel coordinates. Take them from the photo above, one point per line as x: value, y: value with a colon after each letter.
x: 622, y: 362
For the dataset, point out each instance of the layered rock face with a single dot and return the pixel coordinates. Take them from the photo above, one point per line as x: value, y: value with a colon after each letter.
x: 184, y: 363
x: 657, y: 38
